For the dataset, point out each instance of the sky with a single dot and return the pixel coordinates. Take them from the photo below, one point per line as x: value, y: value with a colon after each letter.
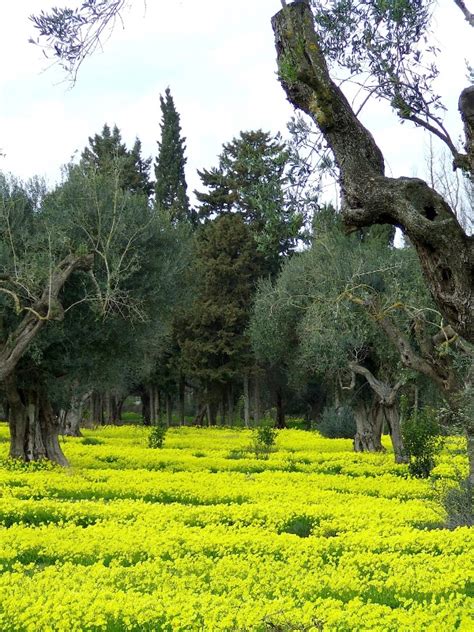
x: 217, y: 57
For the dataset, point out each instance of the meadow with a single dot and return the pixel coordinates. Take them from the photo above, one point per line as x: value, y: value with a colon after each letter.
x: 202, y: 535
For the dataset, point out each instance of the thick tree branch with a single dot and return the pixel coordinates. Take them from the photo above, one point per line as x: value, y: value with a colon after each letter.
x: 369, y: 197
x: 466, y: 108
x: 436, y: 368
x: 46, y: 308
x: 387, y: 394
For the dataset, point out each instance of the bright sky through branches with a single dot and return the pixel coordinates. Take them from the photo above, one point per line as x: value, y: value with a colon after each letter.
x: 218, y: 59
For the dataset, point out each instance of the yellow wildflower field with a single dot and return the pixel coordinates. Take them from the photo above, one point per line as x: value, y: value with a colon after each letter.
x: 201, y: 535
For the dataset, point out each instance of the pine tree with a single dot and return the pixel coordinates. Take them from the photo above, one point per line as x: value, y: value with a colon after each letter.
x: 170, y: 187
x: 250, y: 180
x: 107, y: 148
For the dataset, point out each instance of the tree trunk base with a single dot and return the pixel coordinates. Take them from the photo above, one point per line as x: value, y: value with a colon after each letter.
x: 34, y: 429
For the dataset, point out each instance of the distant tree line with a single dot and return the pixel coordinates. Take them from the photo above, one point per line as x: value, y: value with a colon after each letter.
x: 250, y: 305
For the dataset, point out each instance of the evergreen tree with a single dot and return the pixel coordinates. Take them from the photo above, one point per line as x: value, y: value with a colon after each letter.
x: 212, y: 334
x: 170, y: 187
x: 250, y: 180
x: 106, y: 150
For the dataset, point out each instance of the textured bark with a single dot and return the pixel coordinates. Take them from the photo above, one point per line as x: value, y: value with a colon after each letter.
x: 200, y: 415
x: 466, y: 108
x: 446, y: 253
x: 47, y: 308
x: 368, y: 437
x: 154, y: 398
x: 71, y: 422
x: 385, y: 408
x: 428, y: 361
x: 391, y: 416
x: 34, y: 429
x: 280, y: 421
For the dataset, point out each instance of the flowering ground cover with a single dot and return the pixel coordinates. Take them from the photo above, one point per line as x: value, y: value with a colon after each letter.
x: 201, y: 535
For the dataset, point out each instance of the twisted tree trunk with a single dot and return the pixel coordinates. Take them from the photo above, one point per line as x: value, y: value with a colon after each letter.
x: 385, y: 409
x: 47, y: 308
x: 34, y: 429
x: 369, y: 424
x: 446, y: 253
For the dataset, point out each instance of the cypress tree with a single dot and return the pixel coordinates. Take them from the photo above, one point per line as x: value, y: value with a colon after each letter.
x: 170, y: 187
x: 212, y: 334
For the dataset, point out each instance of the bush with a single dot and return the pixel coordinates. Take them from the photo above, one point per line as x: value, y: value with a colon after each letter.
x: 264, y: 440
x: 301, y: 526
x: 459, y: 505
x: 157, y: 435
x: 91, y: 441
x: 337, y: 423
x: 422, y: 441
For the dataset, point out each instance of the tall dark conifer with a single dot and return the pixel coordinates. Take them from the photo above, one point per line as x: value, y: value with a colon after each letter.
x: 250, y: 180
x: 107, y: 148
x: 170, y: 187
x: 212, y: 335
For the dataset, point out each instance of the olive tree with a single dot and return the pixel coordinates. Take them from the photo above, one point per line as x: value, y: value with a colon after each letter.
x: 93, y: 256
x: 384, y: 42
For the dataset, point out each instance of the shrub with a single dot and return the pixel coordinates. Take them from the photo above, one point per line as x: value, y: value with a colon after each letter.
x: 337, y: 423
x: 459, y: 505
x: 157, y: 435
x: 264, y: 440
x: 91, y: 441
x: 422, y: 441
x: 301, y: 526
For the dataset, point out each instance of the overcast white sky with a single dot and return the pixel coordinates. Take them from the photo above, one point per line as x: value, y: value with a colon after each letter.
x: 218, y: 58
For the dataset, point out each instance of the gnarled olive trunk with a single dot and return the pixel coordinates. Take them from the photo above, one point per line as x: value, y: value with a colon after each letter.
x: 391, y: 415
x: 34, y: 429
x: 445, y: 251
x: 384, y: 408
x: 369, y: 424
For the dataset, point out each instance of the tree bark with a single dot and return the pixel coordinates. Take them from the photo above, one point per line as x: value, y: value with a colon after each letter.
x: 97, y: 412
x: 34, y: 429
x: 446, y: 253
x: 256, y: 394
x: 181, y: 394
x: 71, y: 419
x: 146, y: 408
x: 230, y: 404
x: 385, y: 408
x: 200, y: 415
x: 223, y: 407
x: 391, y: 415
x: 45, y: 309
x: 169, y: 410
x: 368, y: 437
x: 246, y: 401
x: 280, y: 421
